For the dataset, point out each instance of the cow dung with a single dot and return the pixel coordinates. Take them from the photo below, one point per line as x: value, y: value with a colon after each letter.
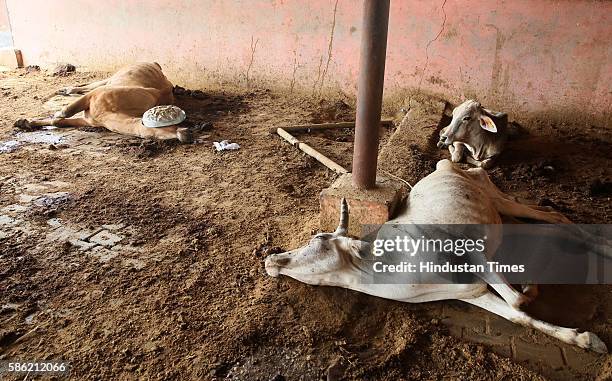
x: 64, y: 70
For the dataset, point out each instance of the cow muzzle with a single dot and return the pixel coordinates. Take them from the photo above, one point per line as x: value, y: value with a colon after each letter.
x: 443, y: 142
x: 275, y: 262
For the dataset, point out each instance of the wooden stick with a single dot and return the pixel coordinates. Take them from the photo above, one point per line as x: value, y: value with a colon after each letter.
x: 326, y: 126
x: 311, y: 152
x: 22, y: 338
x: 396, y: 178
x: 9, y: 319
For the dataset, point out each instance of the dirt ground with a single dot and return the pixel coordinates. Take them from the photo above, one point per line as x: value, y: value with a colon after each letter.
x: 185, y: 294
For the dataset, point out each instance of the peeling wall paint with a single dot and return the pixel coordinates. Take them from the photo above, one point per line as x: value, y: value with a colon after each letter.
x: 520, y: 56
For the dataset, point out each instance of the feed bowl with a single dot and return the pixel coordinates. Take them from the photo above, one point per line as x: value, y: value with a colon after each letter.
x: 163, y: 116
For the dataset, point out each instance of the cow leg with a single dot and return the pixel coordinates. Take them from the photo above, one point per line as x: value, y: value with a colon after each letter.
x: 516, y: 209
x: 531, y: 291
x: 494, y: 304
x: 507, y: 205
x: 61, y: 122
x: 507, y: 292
x: 481, y: 175
x: 84, y: 89
x: 457, y: 151
x: 75, y: 107
x: 485, y: 164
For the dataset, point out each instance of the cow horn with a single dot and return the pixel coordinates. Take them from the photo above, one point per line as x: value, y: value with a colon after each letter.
x: 342, y: 229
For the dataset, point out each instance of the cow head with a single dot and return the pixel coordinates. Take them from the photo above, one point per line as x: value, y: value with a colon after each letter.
x: 328, y: 259
x: 468, y: 119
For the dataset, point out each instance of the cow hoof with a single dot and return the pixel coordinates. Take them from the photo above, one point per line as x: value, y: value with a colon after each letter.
x: 558, y: 218
x: 531, y: 291
x: 22, y: 124
x: 522, y: 301
x: 272, y: 269
x: 184, y: 135
x: 59, y: 114
x: 65, y: 91
x: 589, y: 340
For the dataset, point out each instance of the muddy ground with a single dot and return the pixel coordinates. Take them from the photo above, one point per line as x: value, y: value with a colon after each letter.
x: 185, y: 295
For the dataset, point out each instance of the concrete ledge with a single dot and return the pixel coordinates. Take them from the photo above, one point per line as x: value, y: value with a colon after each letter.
x: 373, y: 206
x: 413, y: 144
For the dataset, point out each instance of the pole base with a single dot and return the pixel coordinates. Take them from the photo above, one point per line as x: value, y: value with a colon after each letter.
x: 372, y: 206
x: 11, y: 58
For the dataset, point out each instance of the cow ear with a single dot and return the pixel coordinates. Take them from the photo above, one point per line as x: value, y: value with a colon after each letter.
x: 355, y: 247
x: 495, y: 114
x: 487, y: 123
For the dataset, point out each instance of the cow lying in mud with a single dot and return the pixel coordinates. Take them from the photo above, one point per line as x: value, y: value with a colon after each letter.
x: 118, y: 104
x: 333, y: 259
x: 476, y: 134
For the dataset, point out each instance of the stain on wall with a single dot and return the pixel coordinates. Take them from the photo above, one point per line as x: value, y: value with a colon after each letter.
x: 522, y: 56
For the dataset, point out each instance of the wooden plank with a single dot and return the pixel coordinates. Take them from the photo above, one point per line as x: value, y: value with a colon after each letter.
x: 311, y: 152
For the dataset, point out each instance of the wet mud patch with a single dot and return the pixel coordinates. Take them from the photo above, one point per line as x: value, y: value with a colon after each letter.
x: 145, y: 148
x: 152, y: 216
x: 209, y: 106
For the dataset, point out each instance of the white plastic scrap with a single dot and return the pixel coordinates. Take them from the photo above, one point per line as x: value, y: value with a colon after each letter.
x: 52, y: 199
x: 225, y: 145
x: 9, y: 146
x: 38, y: 137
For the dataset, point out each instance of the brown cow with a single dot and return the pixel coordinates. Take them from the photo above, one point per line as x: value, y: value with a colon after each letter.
x: 118, y: 103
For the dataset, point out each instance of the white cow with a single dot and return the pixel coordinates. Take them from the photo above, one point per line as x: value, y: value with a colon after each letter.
x: 449, y: 195
x: 475, y: 134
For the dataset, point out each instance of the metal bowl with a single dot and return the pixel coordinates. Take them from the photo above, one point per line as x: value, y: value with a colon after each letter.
x: 163, y: 116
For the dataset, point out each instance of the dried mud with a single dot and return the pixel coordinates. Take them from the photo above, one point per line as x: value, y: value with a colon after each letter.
x: 202, y: 307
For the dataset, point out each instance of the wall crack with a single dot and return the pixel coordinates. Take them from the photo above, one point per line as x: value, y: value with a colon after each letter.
x: 427, y: 53
x: 248, y: 71
x: 330, y: 47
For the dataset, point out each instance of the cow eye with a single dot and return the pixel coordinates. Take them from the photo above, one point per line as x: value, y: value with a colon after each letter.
x: 466, y: 118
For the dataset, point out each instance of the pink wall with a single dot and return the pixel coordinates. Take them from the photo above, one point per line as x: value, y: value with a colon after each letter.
x: 5, y: 27
x: 540, y: 56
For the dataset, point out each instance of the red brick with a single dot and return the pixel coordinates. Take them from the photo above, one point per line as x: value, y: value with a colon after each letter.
x: 470, y: 319
x: 499, y: 326
x: 579, y: 359
x: 372, y: 206
x: 544, y: 353
x: 497, y: 344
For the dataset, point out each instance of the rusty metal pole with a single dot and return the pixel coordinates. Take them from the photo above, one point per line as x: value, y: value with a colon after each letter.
x: 370, y: 91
